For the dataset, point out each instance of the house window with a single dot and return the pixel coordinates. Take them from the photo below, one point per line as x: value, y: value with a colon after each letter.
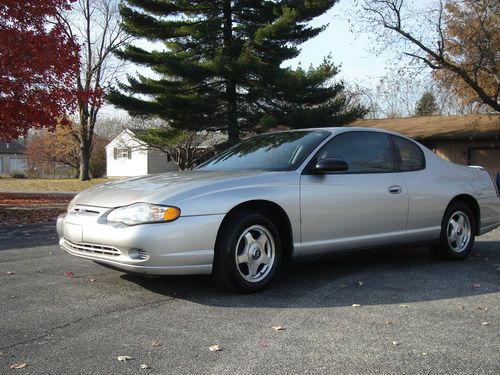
x: 122, y: 153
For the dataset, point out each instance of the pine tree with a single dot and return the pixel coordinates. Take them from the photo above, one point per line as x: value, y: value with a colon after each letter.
x: 427, y: 105
x: 222, y: 66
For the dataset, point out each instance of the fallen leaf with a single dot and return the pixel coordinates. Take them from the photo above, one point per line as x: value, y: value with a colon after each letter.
x: 485, y: 323
x: 356, y: 305
x: 279, y: 328
x: 343, y: 285
x: 123, y: 358
x: 484, y: 308
x: 476, y: 286
x: 388, y: 322
x: 360, y: 283
x: 214, y: 348
x: 460, y: 307
x: 424, y: 353
x: 68, y: 274
x: 404, y: 306
x: 92, y: 280
x: 11, y: 273
x: 18, y: 366
x: 156, y: 343
x: 145, y: 366
x: 50, y: 253
x: 396, y: 343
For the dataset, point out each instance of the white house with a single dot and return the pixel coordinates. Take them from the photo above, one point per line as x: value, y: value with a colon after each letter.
x: 126, y: 156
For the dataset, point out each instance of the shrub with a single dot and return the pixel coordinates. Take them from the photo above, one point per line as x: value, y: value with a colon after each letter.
x: 17, y: 175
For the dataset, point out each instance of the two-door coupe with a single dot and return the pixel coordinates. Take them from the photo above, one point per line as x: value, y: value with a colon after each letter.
x: 279, y: 195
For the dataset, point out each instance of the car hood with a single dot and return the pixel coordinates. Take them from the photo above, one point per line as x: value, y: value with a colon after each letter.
x: 160, y: 188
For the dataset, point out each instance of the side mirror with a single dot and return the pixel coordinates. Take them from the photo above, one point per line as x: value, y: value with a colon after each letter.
x: 330, y: 165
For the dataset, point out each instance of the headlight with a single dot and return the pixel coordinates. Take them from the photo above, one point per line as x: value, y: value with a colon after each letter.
x: 140, y: 213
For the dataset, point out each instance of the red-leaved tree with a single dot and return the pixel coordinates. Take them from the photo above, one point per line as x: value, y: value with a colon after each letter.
x: 39, y: 63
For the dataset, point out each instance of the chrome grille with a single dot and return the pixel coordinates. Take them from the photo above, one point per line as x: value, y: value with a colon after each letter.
x: 92, y: 248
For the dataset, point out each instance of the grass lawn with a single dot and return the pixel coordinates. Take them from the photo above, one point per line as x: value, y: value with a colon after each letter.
x: 38, y: 185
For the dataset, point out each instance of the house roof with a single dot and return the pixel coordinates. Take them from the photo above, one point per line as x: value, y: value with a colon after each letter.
x: 12, y: 147
x: 439, y: 127
x: 213, y: 138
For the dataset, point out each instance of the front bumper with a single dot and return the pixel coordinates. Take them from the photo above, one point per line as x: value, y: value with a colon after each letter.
x: 184, y: 246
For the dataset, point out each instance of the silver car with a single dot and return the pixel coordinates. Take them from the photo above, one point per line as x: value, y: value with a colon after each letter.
x: 279, y: 195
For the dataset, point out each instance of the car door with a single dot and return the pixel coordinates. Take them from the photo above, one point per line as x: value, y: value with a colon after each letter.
x: 428, y: 192
x: 364, y: 206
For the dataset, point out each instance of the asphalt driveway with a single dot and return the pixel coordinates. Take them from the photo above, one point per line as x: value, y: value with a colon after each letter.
x: 416, y: 315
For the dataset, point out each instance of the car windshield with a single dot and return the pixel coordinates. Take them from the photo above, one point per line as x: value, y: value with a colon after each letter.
x: 283, y: 151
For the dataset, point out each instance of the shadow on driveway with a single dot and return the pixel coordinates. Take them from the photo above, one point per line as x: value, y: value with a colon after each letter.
x: 385, y: 276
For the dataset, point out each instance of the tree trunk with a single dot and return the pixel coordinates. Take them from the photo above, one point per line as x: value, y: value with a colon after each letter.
x: 231, y: 100
x: 232, y: 113
x: 85, y: 153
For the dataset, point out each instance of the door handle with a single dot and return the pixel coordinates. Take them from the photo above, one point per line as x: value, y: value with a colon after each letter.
x: 395, y: 189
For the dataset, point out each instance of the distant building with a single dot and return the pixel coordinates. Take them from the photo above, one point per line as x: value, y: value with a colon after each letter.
x: 468, y: 140
x: 126, y: 156
x: 13, y: 158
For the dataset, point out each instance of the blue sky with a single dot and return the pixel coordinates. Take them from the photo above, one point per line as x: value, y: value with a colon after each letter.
x: 347, y: 49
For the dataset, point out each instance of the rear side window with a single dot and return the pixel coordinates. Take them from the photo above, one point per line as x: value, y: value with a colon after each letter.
x: 364, y: 152
x: 411, y: 156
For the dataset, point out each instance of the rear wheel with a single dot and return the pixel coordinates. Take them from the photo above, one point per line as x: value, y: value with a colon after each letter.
x: 458, y: 230
x: 248, y: 252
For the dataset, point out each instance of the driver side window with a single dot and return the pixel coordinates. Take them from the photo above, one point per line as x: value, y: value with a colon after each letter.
x: 364, y: 152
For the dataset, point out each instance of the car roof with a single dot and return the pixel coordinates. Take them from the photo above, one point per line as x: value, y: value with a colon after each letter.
x: 342, y: 129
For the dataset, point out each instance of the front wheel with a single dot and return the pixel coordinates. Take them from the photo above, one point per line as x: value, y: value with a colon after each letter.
x: 248, y: 252
x: 457, y: 233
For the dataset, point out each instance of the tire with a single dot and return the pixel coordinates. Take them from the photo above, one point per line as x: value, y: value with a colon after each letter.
x: 458, y: 230
x: 248, y: 252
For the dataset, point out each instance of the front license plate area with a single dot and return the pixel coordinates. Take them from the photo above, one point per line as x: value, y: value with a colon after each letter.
x: 73, y: 232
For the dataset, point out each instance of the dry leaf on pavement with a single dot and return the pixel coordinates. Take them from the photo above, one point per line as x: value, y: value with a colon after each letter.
x: 485, y: 323
x: 214, y: 348
x: 356, y: 305
x: 360, y: 283
x: 18, y: 366
x: 279, y: 328
x: 123, y: 358
x: 68, y: 274
x: 11, y: 273
x: 145, y: 366
x: 156, y: 343
x: 396, y: 343
x: 343, y: 285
